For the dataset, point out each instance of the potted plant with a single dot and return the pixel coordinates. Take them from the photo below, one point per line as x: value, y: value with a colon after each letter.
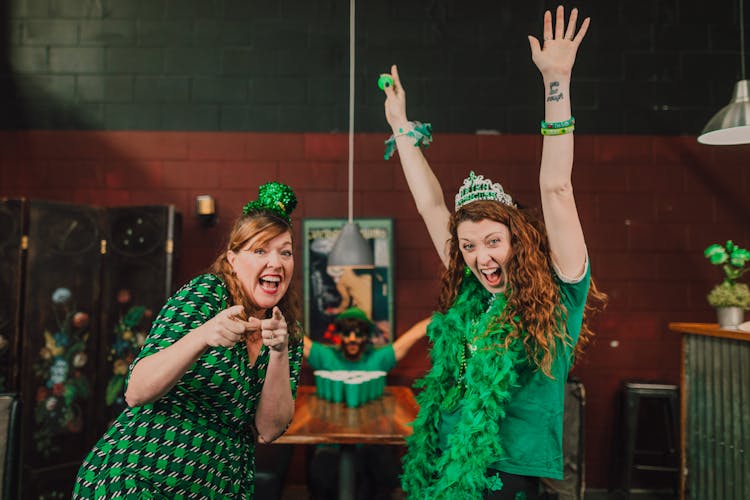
x: 731, y: 299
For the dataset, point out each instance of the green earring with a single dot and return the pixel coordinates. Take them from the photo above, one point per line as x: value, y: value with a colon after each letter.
x: 467, y: 271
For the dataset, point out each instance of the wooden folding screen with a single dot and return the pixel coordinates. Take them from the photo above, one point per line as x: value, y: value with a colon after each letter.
x: 60, y: 342
x: 136, y: 281
x: 12, y: 225
x: 92, y: 280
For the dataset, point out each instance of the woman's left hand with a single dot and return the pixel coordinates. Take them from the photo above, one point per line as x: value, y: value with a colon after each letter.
x: 273, y: 331
x: 556, y: 57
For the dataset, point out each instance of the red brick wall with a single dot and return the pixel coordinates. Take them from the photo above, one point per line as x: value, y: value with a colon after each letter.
x: 649, y: 207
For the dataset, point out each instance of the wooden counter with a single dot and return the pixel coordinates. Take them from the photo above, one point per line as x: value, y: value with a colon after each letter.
x: 715, y: 412
x: 710, y: 330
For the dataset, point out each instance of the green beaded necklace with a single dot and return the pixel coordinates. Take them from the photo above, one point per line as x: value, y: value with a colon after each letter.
x: 454, y: 395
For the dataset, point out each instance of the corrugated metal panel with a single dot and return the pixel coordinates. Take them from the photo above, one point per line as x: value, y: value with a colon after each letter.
x: 717, y: 373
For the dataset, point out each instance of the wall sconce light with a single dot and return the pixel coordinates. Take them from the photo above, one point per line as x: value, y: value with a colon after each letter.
x: 205, y: 209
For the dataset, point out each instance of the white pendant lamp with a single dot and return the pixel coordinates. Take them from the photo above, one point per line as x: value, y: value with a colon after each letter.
x: 351, y: 249
x: 731, y: 125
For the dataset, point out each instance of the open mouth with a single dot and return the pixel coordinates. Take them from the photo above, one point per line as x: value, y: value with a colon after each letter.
x: 493, y: 276
x: 270, y: 284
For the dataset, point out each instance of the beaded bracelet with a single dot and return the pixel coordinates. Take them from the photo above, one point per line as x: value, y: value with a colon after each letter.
x: 558, y: 131
x: 420, y: 132
x: 567, y: 123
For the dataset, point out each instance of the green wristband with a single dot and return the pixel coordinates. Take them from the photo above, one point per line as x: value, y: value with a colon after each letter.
x: 558, y: 131
x: 553, y: 125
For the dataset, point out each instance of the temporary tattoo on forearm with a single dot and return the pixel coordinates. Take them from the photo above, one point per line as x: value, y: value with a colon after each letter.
x: 554, y: 92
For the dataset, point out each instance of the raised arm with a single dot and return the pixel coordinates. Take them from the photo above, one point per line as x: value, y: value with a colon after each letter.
x: 406, y: 340
x: 424, y: 186
x: 555, y: 60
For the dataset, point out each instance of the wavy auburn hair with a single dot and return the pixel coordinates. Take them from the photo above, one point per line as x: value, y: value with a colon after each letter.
x: 534, y: 305
x: 265, y: 226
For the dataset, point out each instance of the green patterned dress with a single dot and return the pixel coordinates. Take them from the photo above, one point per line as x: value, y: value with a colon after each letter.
x: 196, y: 441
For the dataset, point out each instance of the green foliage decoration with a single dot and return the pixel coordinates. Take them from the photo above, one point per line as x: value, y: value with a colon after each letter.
x: 733, y: 261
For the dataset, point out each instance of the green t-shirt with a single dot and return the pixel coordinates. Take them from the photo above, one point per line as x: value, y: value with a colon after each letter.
x: 323, y: 357
x: 531, y: 432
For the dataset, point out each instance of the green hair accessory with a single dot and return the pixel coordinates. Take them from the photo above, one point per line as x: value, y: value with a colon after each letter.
x: 276, y: 197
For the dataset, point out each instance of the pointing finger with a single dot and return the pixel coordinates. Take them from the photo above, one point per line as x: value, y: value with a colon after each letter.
x: 234, y: 311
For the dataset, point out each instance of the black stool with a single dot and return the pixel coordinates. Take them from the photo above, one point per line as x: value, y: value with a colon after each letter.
x: 668, y: 397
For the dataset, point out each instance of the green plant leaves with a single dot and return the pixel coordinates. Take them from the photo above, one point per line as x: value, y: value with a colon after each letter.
x: 716, y: 254
x: 732, y: 258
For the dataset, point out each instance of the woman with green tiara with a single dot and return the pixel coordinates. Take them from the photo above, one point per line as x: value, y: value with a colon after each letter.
x: 219, y: 369
x: 510, y: 316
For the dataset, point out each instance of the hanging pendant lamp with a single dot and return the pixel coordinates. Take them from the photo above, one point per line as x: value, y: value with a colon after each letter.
x: 351, y: 249
x: 731, y: 125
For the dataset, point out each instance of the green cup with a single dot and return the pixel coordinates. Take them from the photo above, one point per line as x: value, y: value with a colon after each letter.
x: 327, y: 386
x: 379, y: 383
x: 352, y: 393
x: 337, y: 386
x: 319, y: 381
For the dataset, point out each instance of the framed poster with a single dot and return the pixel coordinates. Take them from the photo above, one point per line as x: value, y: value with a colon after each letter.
x: 329, y: 292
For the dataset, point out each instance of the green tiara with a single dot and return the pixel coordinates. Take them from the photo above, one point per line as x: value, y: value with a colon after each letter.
x: 477, y: 188
x: 276, y: 197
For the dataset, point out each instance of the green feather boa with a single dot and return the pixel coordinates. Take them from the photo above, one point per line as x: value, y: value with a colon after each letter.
x: 491, y: 373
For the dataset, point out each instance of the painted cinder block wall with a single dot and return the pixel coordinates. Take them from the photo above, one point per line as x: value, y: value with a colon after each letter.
x: 121, y: 102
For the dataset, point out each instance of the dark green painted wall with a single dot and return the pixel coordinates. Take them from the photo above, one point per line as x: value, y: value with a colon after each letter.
x: 646, y: 67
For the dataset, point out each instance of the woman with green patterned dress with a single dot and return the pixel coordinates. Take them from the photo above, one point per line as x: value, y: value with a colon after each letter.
x: 510, y: 316
x: 220, y: 367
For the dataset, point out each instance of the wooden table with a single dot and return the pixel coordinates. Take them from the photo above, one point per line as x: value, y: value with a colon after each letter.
x: 715, y: 412
x: 383, y: 421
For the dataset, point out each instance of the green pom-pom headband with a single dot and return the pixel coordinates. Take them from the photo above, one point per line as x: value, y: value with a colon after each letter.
x: 276, y: 197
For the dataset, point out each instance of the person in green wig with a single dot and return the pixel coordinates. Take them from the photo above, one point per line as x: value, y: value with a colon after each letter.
x: 377, y: 467
x: 510, y: 317
x: 218, y: 371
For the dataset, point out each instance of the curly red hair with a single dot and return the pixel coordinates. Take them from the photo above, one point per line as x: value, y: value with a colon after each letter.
x: 534, y: 300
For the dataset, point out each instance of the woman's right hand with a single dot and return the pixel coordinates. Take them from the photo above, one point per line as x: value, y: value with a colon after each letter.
x: 226, y: 328
x: 555, y: 57
x: 395, y: 103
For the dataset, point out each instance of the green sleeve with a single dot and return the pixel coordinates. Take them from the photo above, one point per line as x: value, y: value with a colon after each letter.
x: 384, y: 358
x: 573, y: 296
x: 191, y: 306
x: 322, y: 357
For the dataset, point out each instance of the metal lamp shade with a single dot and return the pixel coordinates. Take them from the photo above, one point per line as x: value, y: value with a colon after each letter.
x: 351, y: 249
x: 731, y: 125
